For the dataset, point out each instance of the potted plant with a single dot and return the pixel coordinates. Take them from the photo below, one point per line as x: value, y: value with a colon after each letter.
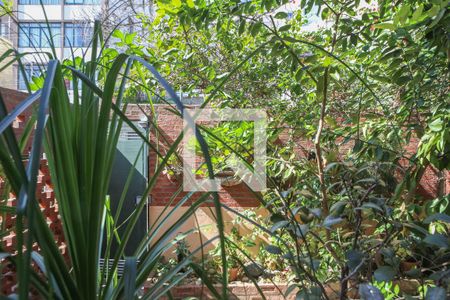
x: 233, y: 265
x: 174, y: 167
x: 228, y: 177
x: 233, y: 269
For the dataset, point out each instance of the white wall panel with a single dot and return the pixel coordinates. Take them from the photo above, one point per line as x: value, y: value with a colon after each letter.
x: 38, y: 58
x: 35, y: 13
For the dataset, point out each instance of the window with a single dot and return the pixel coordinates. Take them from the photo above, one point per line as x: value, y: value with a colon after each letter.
x: 77, y: 35
x: 30, y: 72
x: 4, y: 30
x: 81, y: 2
x: 36, y: 35
x: 38, y: 2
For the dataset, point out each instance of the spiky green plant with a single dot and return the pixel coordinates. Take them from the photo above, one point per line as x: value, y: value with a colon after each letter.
x: 79, y: 138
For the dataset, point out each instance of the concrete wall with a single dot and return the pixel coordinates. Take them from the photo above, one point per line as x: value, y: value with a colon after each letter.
x: 7, y: 79
x: 204, y: 223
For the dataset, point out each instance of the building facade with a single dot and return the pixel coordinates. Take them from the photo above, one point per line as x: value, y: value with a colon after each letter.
x: 37, y: 26
x: 7, y: 74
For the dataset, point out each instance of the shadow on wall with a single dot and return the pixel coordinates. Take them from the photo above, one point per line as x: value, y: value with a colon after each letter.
x: 204, y: 220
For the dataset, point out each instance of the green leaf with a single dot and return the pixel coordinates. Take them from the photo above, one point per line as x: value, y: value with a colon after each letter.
x: 279, y: 225
x: 386, y: 25
x: 414, y: 273
x: 384, y: 273
x: 118, y: 34
x: 403, y: 13
x: 190, y: 3
x: 358, y: 146
x: 394, y: 53
x: 299, y: 74
x: 417, y: 14
x: 241, y: 27
x: 223, y: 75
x: 284, y: 28
x: 416, y: 228
x: 365, y: 17
x: 280, y: 15
x: 170, y: 51
x: 332, y: 220
x: 290, y: 289
x: 436, y: 125
x: 302, y: 230
x: 129, y: 38
x: 354, y: 258
x: 130, y: 273
x: 309, y: 294
x: 437, y: 239
x: 353, y: 39
x: 436, y: 293
x: 437, y: 217
x: 176, y: 3
x: 331, y: 166
x: 255, y: 28
x: 327, y: 61
x: 338, y: 207
x: 438, y: 17
x: 402, y: 80
x: 273, y: 249
x: 369, y: 292
x: 371, y: 205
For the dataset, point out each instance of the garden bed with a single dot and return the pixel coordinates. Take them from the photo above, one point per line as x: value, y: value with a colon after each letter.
x: 237, y: 290
x: 248, y: 291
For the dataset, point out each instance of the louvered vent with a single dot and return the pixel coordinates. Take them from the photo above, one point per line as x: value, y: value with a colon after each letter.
x: 128, y: 134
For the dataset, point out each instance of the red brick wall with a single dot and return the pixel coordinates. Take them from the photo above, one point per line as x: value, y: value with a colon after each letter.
x: 170, y: 126
x: 236, y: 291
x: 240, y: 196
x: 429, y: 185
x: 44, y: 194
x: 12, y: 98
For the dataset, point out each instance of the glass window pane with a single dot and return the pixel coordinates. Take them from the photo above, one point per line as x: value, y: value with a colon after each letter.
x: 78, y: 2
x: 55, y: 30
x: 37, y: 35
x: 38, y: 2
x: 68, y: 41
x: 23, y: 33
x: 77, y: 35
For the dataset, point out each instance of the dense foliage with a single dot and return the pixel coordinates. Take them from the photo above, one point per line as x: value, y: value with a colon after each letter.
x: 345, y: 100
x: 360, y: 88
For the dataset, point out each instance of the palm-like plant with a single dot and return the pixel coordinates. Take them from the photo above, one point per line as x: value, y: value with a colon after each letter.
x: 80, y: 138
